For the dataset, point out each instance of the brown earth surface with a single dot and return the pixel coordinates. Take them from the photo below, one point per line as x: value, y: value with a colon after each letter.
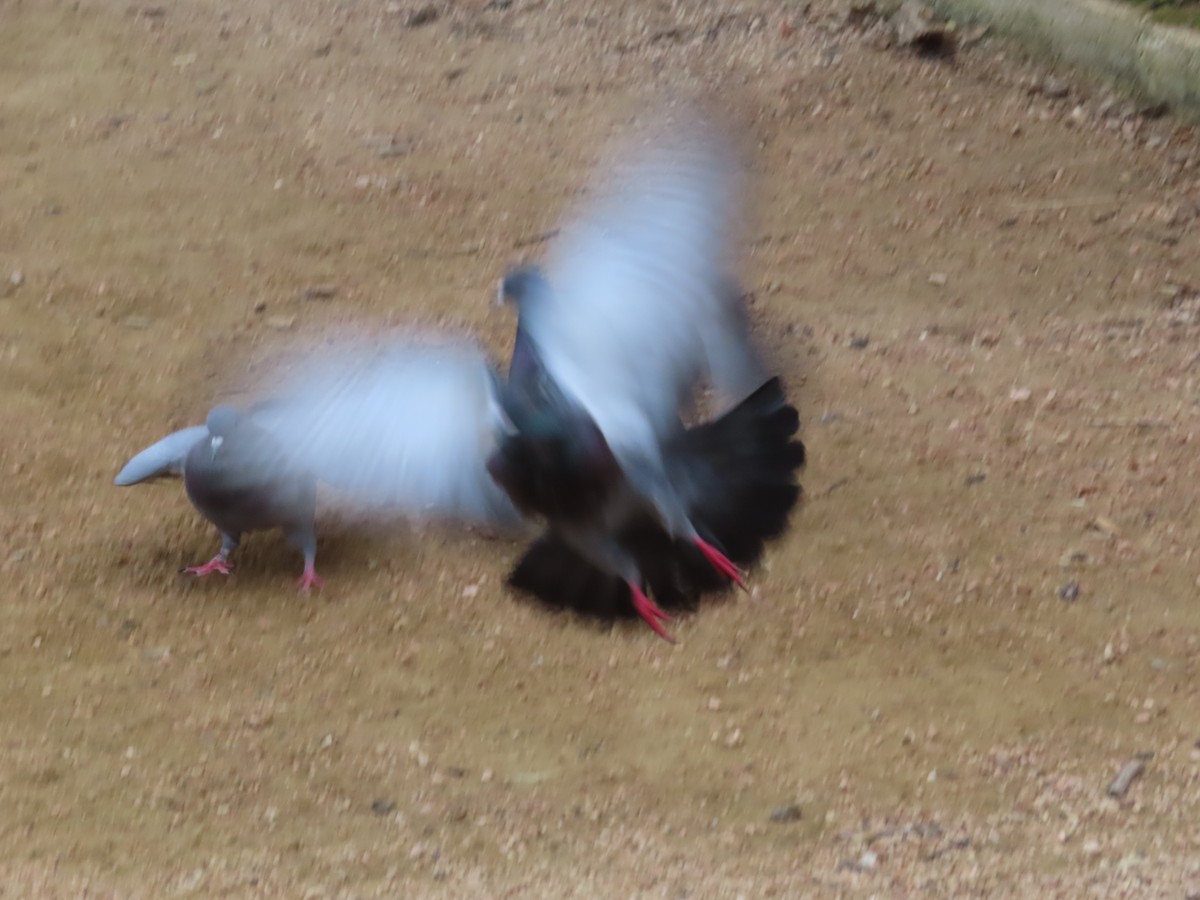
x: 982, y: 286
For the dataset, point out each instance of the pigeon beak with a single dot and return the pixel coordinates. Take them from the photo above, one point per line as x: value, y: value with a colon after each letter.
x: 500, y: 296
x: 217, y: 441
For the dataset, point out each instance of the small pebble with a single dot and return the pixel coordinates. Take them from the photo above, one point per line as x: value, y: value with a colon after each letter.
x: 1069, y: 591
x: 319, y: 292
x: 1056, y: 88
x: 392, y: 149
x: 784, y: 814
x: 17, y: 278
x: 258, y: 721
x: 1072, y: 556
x: 382, y: 807
x: 1130, y: 772
x: 938, y: 278
x: 280, y: 323
x: 422, y: 15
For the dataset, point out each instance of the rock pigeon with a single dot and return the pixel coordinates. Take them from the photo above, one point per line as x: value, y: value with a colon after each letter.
x: 240, y: 478
x: 632, y: 313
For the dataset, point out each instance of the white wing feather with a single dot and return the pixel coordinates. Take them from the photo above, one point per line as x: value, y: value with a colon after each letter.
x: 639, y: 307
x: 400, y: 433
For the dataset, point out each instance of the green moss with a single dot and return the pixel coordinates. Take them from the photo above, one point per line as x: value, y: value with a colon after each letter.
x: 1171, y: 12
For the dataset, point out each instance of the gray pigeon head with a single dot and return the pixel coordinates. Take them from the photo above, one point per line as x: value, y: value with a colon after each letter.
x: 521, y: 284
x: 222, y: 420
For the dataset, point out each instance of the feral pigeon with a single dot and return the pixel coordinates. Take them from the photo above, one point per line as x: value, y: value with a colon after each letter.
x: 632, y: 314
x: 239, y: 477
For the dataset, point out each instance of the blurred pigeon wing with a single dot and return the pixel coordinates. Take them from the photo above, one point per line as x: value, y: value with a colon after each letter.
x: 161, y: 459
x: 405, y: 434
x: 639, y: 306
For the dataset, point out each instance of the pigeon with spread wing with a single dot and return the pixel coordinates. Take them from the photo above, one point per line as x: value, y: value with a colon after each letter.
x: 633, y: 312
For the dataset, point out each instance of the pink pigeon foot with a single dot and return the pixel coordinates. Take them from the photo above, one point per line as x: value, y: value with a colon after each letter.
x: 310, y: 579
x: 650, y: 611
x: 721, y: 563
x: 216, y: 564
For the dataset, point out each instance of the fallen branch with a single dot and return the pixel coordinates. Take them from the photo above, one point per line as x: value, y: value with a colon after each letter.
x: 1055, y: 205
x: 840, y: 483
x: 536, y: 239
x: 1140, y: 423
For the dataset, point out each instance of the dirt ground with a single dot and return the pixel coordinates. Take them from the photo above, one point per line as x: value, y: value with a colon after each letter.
x: 981, y: 284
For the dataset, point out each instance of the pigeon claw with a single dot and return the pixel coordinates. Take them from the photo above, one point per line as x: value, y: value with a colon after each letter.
x: 721, y: 563
x: 216, y: 564
x: 649, y: 610
x: 310, y: 579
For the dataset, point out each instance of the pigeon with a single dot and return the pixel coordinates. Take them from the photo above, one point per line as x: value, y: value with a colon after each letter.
x: 632, y: 313
x: 239, y: 477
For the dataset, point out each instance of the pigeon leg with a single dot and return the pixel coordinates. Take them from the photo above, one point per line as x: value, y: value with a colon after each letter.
x: 607, y: 555
x: 721, y: 562
x: 650, y: 611
x: 305, y: 540
x: 310, y: 578
x: 649, y: 482
x: 220, y: 562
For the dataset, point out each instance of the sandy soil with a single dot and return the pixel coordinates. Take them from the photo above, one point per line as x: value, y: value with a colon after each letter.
x: 983, y: 293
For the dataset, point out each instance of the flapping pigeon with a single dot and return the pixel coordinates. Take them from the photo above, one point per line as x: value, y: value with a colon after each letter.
x: 634, y: 311
x: 241, y: 479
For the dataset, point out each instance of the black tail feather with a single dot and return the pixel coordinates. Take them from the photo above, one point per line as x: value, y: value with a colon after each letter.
x: 738, y: 477
x: 553, y: 572
x: 738, y: 473
x: 675, y: 574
